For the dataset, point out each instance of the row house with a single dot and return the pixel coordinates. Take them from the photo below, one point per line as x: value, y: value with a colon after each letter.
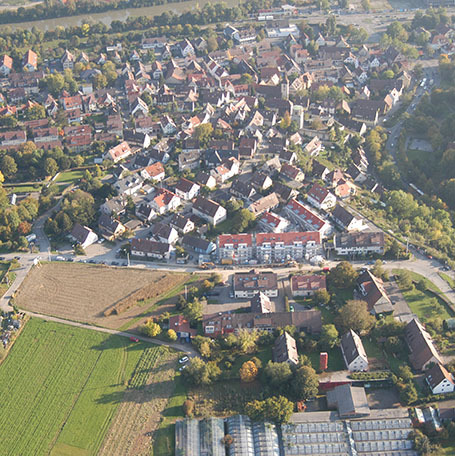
x: 273, y: 223
x: 280, y: 247
x: 307, y: 285
x: 12, y: 139
x: 235, y: 247
x: 302, y: 215
x: 222, y: 323
x: 359, y: 243
x: 146, y: 249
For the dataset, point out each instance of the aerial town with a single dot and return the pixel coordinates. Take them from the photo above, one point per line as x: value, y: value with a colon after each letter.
x: 227, y: 229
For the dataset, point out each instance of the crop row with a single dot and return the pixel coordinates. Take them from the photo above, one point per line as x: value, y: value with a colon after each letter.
x: 143, y: 368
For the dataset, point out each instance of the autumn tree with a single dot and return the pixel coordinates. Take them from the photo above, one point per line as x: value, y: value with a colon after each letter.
x: 248, y: 372
x: 171, y: 335
x: 151, y: 328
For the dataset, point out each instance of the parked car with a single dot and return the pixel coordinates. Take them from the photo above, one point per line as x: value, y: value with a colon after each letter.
x: 134, y: 339
x: 183, y: 360
x: 182, y: 368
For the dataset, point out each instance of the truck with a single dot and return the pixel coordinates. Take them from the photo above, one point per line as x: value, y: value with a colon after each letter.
x: 208, y: 265
x: 227, y: 261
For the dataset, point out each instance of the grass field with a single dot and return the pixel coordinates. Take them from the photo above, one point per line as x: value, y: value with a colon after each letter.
x: 26, y: 188
x: 421, y: 302
x: 60, y: 387
x: 70, y: 176
x: 55, y: 289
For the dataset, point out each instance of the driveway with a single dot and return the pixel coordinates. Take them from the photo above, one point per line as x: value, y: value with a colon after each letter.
x: 401, y: 310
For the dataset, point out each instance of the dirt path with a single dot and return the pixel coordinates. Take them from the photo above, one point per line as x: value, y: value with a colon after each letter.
x: 139, y: 414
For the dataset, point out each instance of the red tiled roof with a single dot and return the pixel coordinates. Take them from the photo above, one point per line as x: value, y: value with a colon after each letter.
x: 288, y: 238
x: 235, y: 239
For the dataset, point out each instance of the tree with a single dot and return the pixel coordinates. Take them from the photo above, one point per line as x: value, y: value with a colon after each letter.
x: 248, y: 372
x: 321, y: 297
x: 50, y: 166
x: 354, y: 315
x: 277, y: 374
x: 201, y: 373
x: 329, y: 336
x: 242, y: 218
x: 212, y: 43
x: 247, y: 340
x: 193, y: 310
x: 188, y: 407
x: 35, y: 112
x: 8, y: 166
x: 151, y: 328
x: 343, y: 275
x: 203, y: 133
x: 171, y: 335
x: 285, y: 121
x: 405, y: 373
x: 276, y: 408
x: 54, y: 83
x: 305, y: 383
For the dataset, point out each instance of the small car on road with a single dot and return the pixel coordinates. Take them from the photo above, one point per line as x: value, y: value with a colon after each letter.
x: 134, y: 339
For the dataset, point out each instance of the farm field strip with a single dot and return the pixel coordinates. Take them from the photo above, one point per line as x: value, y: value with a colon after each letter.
x: 142, y: 371
x: 60, y: 388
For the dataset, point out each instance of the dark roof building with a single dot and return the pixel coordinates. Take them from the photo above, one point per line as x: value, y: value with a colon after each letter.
x: 261, y: 303
x: 421, y: 345
x: 285, y: 350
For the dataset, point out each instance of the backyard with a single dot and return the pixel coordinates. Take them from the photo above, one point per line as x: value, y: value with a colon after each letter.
x: 424, y: 303
x: 61, y: 386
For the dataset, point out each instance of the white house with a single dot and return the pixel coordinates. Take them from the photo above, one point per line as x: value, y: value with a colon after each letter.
x: 154, y: 172
x: 321, y: 198
x: 209, y: 210
x: 186, y: 189
x: 165, y: 201
x: 83, y: 235
x: 354, y: 354
x: 440, y: 380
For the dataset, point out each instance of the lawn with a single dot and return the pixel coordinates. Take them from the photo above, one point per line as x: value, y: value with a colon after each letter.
x: 422, y: 302
x: 26, y: 188
x: 336, y: 361
x: 61, y: 386
x: 70, y: 176
x: 448, y: 279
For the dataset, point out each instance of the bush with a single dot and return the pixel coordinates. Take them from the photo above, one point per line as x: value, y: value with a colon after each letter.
x: 171, y: 335
x: 248, y: 372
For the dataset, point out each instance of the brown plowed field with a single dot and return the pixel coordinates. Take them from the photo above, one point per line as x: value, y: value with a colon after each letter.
x: 139, y: 413
x: 83, y: 292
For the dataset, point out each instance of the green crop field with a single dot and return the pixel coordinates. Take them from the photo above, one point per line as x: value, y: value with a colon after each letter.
x: 60, y: 387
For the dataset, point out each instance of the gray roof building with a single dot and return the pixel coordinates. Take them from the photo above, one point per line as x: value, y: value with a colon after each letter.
x: 349, y: 400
